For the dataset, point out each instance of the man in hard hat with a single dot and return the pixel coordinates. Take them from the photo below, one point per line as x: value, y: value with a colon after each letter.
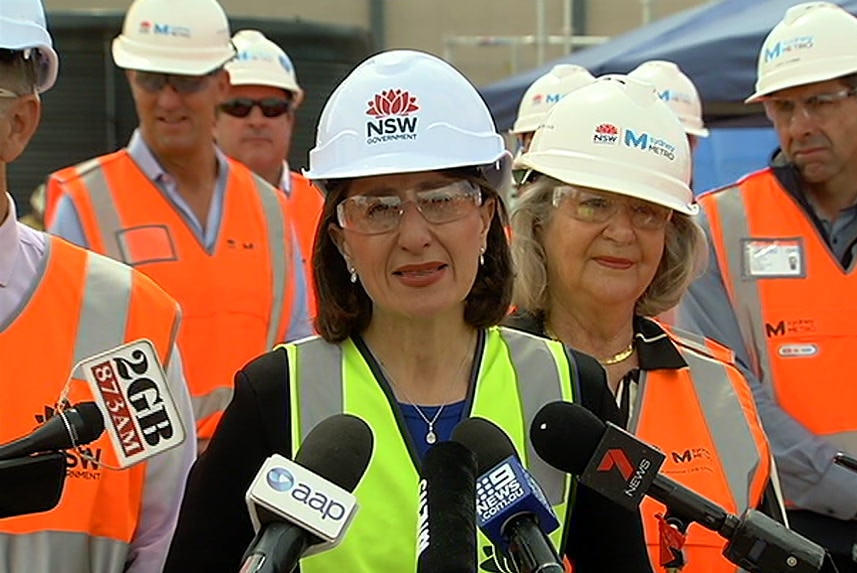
x: 538, y: 100
x: 780, y: 284
x: 204, y: 227
x: 60, y: 304
x: 256, y: 121
x: 679, y: 93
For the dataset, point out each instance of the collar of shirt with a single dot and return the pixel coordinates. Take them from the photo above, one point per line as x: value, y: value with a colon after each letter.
x: 9, y: 236
x: 655, y: 350
x: 149, y: 165
x: 286, y: 179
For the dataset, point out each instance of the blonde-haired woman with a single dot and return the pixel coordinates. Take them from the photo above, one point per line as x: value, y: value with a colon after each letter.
x: 603, y: 238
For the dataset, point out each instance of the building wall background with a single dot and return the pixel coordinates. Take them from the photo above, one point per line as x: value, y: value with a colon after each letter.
x: 423, y: 24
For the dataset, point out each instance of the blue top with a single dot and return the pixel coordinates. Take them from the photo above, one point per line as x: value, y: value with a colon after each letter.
x: 443, y: 426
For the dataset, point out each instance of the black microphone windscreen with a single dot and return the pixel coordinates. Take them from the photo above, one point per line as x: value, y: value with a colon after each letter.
x: 87, y: 421
x: 486, y: 440
x: 448, y: 533
x: 565, y: 435
x: 338, y: 449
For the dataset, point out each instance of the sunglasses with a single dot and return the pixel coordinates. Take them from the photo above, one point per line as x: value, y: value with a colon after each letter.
x: 270, y: 106
x: 12, y: 57
x: 153, y: 82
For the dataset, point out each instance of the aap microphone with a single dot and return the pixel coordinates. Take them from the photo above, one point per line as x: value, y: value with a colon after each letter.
x: 305, y: 506
x: 446, y: 537
x: 70, y: 428
x: 619, y: 466
x: 511, y: 509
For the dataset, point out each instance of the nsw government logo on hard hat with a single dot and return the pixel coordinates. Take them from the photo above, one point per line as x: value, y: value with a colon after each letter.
x: 391, y: 110
x: 606, y: 133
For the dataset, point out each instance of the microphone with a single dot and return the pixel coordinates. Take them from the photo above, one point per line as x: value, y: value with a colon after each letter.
x: 70, y: 428
x: 623, y: 469
x: 511, y: 509
x: 446, y: 536
x: 304, y: 506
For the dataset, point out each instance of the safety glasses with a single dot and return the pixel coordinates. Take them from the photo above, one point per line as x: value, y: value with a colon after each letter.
x: 819, y: 106
x: 243, y: 106
x: 377, y: 214
x: 153, y: 82
x: 597, y: 207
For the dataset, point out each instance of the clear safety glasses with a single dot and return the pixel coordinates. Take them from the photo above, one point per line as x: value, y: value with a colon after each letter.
x: 376, y: 214
x: 599, y: 207
x: 819, y: 106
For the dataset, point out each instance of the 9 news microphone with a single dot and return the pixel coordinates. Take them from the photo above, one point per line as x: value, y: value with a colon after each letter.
x: 70, y: 428
x: 623, y: 469
x: 510, y: 507
x: 446, y: 536
x: 304, y: 506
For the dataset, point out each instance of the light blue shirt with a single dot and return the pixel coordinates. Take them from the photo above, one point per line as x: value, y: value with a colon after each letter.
x: 66, y: 223
x: 22, y: 254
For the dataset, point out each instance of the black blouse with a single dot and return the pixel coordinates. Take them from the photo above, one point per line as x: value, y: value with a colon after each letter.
x: 214, y: 527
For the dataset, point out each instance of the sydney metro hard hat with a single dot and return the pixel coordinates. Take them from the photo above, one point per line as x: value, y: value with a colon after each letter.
x: 261, y: 62
x: 677, y: 90
x: 626, y: 141
x: 22, y: 28
x: 187, y: 37
x: 404, y: 111
x: 814, y: 42
x: 545, y: 92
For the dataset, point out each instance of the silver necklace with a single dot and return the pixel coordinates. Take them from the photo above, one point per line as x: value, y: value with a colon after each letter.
x: 431, y: 436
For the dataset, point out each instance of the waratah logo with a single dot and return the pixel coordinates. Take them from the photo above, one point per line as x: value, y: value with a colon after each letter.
x: 392, y: 102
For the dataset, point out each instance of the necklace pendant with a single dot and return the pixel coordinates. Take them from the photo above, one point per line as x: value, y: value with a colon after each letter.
x: 431, y: 437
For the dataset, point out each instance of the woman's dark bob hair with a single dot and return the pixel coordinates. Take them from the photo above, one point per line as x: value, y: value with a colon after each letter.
x: 344, y: 308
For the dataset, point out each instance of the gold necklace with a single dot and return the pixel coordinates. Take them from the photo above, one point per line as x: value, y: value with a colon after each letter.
x: 609, y: 361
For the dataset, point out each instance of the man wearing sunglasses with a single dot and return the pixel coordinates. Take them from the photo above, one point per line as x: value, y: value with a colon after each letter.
x: 60, y: 304
x: 780, y: 287
x: 204, y: 227
x: 255, y: 123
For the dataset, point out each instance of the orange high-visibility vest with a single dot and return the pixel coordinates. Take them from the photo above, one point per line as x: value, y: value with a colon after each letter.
x: 798, y: 321
x: 83, y: 305
x: 704, y: 419
x: 305, y: 204
x: 236, y: 300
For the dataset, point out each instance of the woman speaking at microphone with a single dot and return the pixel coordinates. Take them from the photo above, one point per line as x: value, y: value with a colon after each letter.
x: 413, y: 275
x: 603, y: 239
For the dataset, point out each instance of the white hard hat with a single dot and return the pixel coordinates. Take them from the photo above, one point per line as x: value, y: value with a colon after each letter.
x: 261, y: 62
x: 23, y: 27
x: 627, y: 141
x: 545, y: 92
x: 187, y: 37
x: 404, y: 111
x: 677, y: 90
x: 814, y: 42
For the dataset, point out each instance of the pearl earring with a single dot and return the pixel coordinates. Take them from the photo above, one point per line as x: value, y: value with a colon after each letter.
x: 481, y: 256
x: 353, y: 273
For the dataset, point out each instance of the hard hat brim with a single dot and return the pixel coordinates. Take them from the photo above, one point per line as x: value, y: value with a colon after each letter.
x: 594, y: 172
x: 242, y: 77
x: 190, y: 62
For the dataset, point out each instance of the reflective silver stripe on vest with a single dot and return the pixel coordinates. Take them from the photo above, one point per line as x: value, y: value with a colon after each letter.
x: 277, y: 237
x: 539, y: 383
x: 106, y: 303
x: 61, y: 551
x: 748, y: 302
x: 106, y: 215
x: 215, y: 401
x: 321, y: 396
